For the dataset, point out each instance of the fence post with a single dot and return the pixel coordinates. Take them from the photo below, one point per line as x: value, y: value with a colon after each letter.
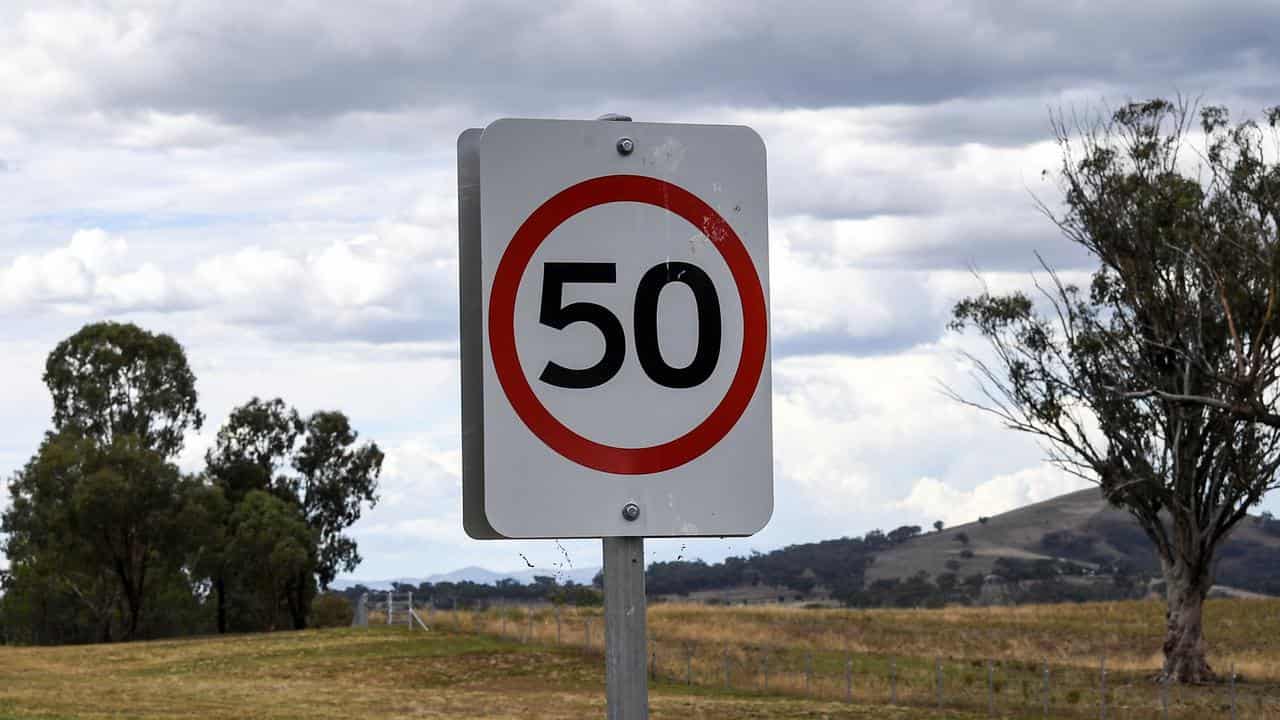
x: 1102, y: 679
x: 727, y: 684
x: 409, y: 615
x: 389, y: 608
x: 1164, y: 698
x: 808, y: 673
x: 893, y: 681
x: 991, y: 692
x: 937, y: 676
x: 848, y: 679
x: 361, y: 618
x: 1046, y: 691
x: 1233, y: 690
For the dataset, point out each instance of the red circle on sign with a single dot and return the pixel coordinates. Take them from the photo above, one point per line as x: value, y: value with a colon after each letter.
x: 502, y: 335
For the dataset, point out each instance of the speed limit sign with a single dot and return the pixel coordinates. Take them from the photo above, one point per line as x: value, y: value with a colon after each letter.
x: 615, y: 330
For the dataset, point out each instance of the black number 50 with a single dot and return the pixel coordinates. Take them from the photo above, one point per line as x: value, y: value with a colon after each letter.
x: 558, y: 316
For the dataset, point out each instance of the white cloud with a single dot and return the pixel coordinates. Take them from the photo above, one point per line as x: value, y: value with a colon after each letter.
x: 935, y: 498
x: 393, y: 284
x: 850, y: 431
x: 420, y: 496
x: 83, y: 272
x: 161, y: 131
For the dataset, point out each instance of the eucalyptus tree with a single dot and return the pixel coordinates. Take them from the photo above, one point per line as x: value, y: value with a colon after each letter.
x: 249, y: 452
x: 318, y: 467
x: 96, y: 512
x: 1158, y: 381
x: 111, y: 379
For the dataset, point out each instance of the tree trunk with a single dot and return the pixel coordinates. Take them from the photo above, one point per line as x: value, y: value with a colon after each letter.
x: 132, y: 601
x: 135, y: 614
x: 220, y: 589
x: 1184, y: 644
x: 297, y: 601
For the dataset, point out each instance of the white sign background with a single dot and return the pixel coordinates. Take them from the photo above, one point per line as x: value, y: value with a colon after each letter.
x: 530, y: 490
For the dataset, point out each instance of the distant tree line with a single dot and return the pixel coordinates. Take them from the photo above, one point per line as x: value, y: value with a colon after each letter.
x: 108, y: 539
x: 838, y: 565
x: 471, y: 595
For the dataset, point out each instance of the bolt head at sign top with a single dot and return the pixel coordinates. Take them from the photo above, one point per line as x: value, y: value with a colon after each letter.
x: 615, y: 330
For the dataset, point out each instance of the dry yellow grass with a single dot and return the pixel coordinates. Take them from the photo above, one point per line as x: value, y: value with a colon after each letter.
x: 486, y: 665
x: 378, y: 672
x: 899, y: 653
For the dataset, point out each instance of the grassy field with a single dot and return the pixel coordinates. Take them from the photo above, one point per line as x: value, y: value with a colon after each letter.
x: 983, y: 658
x: 508, y: 664
x: 379, y: 672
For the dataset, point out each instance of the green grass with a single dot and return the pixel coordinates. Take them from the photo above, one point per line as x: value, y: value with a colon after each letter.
x: 377, y: 672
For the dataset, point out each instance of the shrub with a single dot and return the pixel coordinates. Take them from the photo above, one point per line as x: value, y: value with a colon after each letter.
x: 331, y: 610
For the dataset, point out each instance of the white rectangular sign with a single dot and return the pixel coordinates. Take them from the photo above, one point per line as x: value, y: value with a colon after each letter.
x: 615, y: 344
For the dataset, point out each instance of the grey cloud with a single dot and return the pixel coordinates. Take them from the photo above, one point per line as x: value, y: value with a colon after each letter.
x: 270, y: 67
x: 922, y: 328
x: 1003, y: 243
x: 429, y: 322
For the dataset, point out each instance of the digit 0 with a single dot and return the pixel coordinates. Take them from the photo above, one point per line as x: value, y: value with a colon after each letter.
x: 648, y: 351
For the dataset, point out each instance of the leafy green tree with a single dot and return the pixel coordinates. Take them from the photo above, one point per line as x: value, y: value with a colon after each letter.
x: 316, y: 465
x: 251, y: 448
x: 111, y: 379
x: 53, y: 583
x: 1158, y: 381
x: 335, y: 479
x: 94, y: 514
x: 99, y: 520
x: 271, y: 547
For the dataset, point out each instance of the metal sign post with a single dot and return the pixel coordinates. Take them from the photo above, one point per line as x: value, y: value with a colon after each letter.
x: 613, y: 282
x: 625, y: 635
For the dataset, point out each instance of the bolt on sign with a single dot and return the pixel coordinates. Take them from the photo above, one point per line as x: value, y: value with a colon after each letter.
x: 615, y: 330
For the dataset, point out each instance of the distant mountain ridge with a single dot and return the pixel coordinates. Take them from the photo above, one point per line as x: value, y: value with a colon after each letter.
x: 475, y: 574
x: 1078, y: 538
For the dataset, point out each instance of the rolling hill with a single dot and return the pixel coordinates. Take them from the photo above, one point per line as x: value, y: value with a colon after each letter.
x: 1083, y: 528
x: 1072, y: 547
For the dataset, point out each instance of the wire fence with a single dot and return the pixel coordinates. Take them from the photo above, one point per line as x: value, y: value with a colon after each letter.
x: 992, y: 687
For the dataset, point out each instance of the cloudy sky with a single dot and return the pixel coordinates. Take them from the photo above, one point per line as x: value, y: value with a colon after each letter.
x: 274, y: 185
